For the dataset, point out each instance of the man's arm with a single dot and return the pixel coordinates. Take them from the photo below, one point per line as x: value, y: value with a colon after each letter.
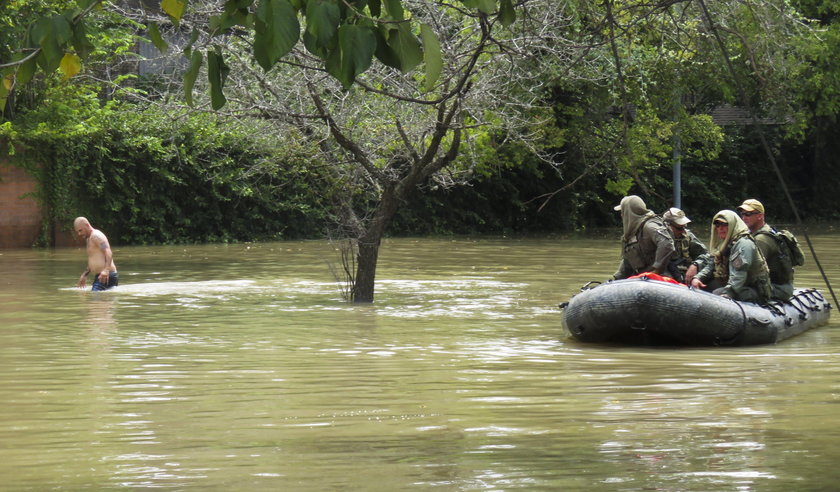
x: 101, y: 242
x: 83, y: 279
x: 664, y: 249
x: 624, y: 270
x: 109, y: 257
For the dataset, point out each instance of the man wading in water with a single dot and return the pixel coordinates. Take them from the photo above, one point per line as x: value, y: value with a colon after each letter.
x: 100, y: 257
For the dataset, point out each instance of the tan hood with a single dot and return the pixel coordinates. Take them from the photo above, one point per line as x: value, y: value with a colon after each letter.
x: 633, y: 215
x: 737, y: 228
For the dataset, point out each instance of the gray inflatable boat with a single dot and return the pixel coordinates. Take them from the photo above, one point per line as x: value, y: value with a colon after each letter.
x: 647, y: 312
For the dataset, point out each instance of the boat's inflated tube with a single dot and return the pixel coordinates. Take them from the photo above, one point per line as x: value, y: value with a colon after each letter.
x: 647, y: 311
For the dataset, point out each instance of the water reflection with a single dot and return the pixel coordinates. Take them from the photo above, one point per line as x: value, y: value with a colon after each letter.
x: 243, y: 368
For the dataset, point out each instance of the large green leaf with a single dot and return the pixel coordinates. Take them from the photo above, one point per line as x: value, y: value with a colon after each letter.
x: 223, y: 22
x: 375, y: 7
x: 322, y: 19
x: 353, y: 55
x: 486, y: 6
x: 191, y: 74
x: 431, y: 55
x: 40, y: 31
x: 277, y: 31
x: 394, y: 9
x: 80, y: 40
x: 234, y: 5
x: 235, y: 13
x: 26, y: 71
x: 397, y: 47
x: 217, y: 72
x: 193, y: 38
x: 50, y: 56
x: 174, y: 8
x: 406, y: 47
x: 5, y: 87
x: 384, y: 53
x: 62, y: 31
x: 507, y: 15
x: 51, y: 34
x: 83, y: 4
x: 157, y: 40
x: 312, y: 46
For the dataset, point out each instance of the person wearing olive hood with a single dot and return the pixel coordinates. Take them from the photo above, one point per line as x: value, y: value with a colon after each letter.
x: 646, y: 245
x: 738, y: 270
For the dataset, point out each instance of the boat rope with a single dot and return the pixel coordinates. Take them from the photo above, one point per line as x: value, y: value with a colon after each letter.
x: 757, y: 127
x: 587, y: 286
x: 802, y: 306
x: 744, y: 320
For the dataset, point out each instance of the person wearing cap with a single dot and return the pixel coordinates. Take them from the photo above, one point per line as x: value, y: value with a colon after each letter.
x: 781, y: 272
x: 738, y: 270
x: 690, y: 254
x: 646, y: 243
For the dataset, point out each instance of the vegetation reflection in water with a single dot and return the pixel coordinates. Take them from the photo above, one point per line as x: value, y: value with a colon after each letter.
x: 221, y: 367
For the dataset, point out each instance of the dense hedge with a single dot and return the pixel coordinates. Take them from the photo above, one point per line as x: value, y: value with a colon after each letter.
x: 150, y: 178
x: 509, y: 202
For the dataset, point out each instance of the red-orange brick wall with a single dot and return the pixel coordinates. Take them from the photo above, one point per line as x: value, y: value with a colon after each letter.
x: 20, y: 215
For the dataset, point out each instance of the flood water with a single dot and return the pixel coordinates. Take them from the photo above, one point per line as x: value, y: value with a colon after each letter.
x: 240, y: 367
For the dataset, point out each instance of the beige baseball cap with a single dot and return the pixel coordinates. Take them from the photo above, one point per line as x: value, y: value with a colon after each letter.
x: 752, y: 205
x: 675, y: 216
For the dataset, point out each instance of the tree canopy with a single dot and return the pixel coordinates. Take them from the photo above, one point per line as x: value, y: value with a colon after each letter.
x: 345, y: 35
x: 399, y: 98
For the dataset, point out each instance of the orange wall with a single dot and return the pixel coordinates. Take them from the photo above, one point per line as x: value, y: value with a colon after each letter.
x: 21, y: 215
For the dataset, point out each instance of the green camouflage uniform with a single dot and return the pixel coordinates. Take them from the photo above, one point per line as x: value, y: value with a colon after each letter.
x: 688, y: 250
x: 648, y: 251
x: 738, y: 264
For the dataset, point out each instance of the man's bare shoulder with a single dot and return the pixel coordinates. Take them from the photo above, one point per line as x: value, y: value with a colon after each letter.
x: 98, y: 237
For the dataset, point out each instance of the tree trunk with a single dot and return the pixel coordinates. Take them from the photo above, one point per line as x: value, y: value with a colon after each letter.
x: 369, y: 245
x: 366, y: 271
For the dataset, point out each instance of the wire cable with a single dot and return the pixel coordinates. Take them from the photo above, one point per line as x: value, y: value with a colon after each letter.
x: 757, y: 127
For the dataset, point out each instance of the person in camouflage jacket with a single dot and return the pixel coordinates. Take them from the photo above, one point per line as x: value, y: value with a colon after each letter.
x: 646, y: 243
x: 690, y: 254
x: 738, y: 270
x: 778, y: 260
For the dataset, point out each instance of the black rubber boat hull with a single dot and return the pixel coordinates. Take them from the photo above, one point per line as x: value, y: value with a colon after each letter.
x: 644, y: 311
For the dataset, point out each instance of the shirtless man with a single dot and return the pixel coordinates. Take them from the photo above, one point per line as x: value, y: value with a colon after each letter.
x: 100, y: 257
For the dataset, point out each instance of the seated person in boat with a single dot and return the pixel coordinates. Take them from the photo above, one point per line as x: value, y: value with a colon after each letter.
x: 772, y: 246
x: 646, y: 245
x: 690, y: 254
x: 738, y: 270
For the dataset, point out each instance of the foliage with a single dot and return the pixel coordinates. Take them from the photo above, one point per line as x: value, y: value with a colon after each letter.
x: 102, y: 39
x: 345, y: 36
x: 628, y: 80
x: 153, y: 177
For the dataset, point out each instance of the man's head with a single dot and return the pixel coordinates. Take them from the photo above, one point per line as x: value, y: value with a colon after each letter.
x: 752, y: 213
x: 633, y: 214
x: 632, y: 204
x: 82, y: 227
x: 676, y: 220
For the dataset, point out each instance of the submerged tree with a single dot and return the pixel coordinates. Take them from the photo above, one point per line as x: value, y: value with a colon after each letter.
x: 453, y: 81
x: 394, y: 132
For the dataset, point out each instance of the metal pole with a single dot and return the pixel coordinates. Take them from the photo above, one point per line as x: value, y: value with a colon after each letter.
x: 677, y: 173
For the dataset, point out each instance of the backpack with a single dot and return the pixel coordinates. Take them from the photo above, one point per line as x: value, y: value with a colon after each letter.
x: 789, y: 249
x: 797, y: 256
